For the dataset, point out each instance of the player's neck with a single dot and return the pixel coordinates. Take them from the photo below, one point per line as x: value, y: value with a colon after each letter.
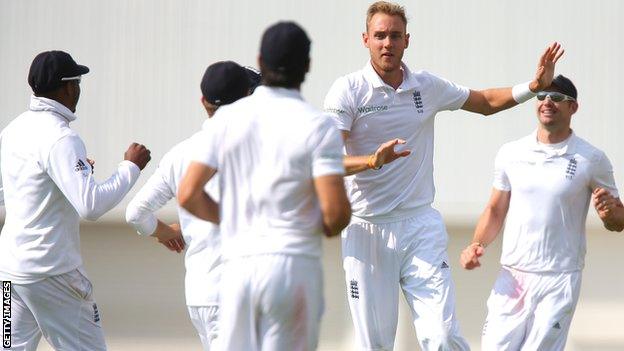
x: 553, y: 136
x: 393, y: 78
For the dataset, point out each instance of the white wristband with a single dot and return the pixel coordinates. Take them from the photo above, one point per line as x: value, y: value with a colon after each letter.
x: 521, y: 92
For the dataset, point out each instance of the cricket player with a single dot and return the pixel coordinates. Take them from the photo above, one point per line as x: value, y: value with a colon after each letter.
x: 222, y: 83
x: 396, y: 239
x: 281, y: 184
x: 47, y: 185
x: 543, y: 185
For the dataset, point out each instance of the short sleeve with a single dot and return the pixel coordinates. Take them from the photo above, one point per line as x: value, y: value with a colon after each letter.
x: 339, y: 104
x: 501, y: 181
x: 602, y: 175
x: 450, y: 96
x: 327, y: 156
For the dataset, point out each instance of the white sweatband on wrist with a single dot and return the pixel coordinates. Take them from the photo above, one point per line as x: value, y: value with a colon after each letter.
x: 521, y: 92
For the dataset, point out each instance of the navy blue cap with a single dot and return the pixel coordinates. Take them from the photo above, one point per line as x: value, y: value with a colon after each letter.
x: 225, y: 82
x: 285, y: 47
x: 255, y: 77
x: 565, y: 85
x: 49, y: 68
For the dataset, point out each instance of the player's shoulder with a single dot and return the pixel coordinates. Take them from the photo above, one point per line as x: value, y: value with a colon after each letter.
x: 350, y: 83
x: 517, y: 146
x: 177, y: 153
x: 585, y: 149
x: 424, y: 77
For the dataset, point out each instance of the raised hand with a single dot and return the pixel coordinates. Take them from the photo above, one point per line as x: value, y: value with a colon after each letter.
x: 546, y: 67
x: 138, y: 154
x: 386, y: 153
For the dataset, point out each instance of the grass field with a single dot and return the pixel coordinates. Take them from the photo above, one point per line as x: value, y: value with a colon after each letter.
x: 138, y: 286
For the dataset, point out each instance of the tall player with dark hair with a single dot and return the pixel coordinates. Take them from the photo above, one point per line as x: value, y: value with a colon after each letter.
x: 281, y: 175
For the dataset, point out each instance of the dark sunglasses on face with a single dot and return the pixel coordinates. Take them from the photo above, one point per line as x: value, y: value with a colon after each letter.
x: 554, y: 96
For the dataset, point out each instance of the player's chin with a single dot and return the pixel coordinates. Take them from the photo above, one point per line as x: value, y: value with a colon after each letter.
x: 389, y: 65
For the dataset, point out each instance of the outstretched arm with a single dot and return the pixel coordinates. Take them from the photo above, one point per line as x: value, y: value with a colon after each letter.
x: 383, y: 155
x: 488, y: 227
x: 141, y: 210
x: 610, y: 209
x: 69, y: 169
x: 490, y: 101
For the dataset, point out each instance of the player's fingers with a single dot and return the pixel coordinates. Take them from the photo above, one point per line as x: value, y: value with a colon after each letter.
x: 479, y: 251
x: 553, y: 51
x: 169, y: 246
x: 558, y: 55
x: 174, y: 245
x: 600, y: 191
x: 544, y: 56
x: 179, y: 245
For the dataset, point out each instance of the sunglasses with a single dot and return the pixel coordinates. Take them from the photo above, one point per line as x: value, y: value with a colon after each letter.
x: 77, y: 78
x: 554, y: 96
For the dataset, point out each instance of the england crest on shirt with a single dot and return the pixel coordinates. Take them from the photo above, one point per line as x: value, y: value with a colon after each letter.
x: 571, y: 168
x: 418, y: 102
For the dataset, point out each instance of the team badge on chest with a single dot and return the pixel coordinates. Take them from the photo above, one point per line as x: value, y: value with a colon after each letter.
x: 418, y: 102
x: 571, y: 168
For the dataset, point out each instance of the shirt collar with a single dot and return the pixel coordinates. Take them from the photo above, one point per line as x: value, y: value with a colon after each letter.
x: 569, y: 148
x: 38, y: 103
x: 409, y: 82
x: 278, y: 91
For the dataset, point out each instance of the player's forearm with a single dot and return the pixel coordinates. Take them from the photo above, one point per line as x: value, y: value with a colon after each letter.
x: 201, y: 205
x: 489, y: 101
x: 488, y: 227
x: 356, y: 164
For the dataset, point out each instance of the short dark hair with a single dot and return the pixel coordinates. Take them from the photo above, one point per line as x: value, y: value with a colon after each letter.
x: 291, y: 79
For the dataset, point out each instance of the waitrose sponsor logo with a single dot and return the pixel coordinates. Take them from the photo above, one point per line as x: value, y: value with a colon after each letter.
x: 368, y: 109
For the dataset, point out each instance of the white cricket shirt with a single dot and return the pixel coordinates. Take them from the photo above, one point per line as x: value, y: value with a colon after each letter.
x: 202, y: 258
x: 47, y: 186
x: 551, y: 188
x: 373, y: 112
x: 268, y: 148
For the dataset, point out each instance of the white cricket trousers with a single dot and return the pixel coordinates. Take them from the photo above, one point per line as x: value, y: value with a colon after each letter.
x: 530, y: 311
x: 411, y: 254
x: 62, y: 309
x: 270, y: 302
x: 205, y: 320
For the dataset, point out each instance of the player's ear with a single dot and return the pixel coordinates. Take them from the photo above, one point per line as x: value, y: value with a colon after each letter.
x: 365, y: 39
x: 407, y: 36
x: 574, y: 106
